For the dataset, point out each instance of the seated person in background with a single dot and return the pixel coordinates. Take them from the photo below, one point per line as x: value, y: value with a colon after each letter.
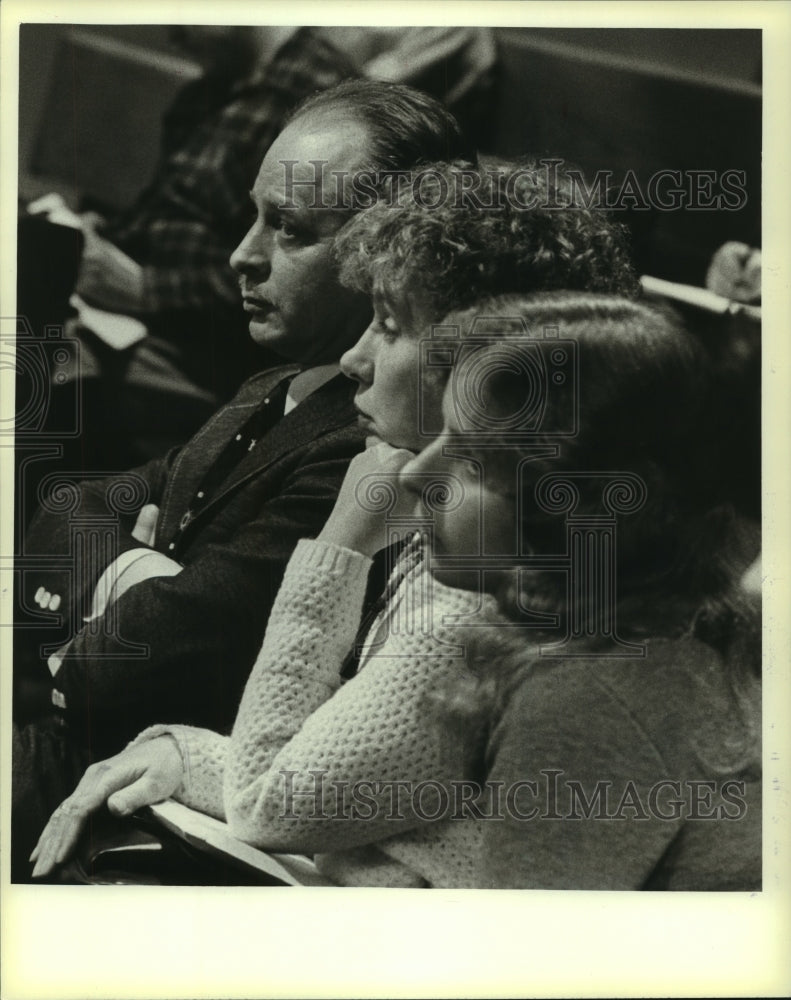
x: 233, y: 503
x: 295, y: 715
x: 165, y: 258
x: 735, y: 272
x: 454, y: 63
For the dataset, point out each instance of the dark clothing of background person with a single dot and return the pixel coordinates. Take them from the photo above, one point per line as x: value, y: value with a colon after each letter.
x: 233, y: 535
x: 203, y: 627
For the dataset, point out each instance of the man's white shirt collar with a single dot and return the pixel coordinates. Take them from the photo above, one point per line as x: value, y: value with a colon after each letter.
x: 308, y: 382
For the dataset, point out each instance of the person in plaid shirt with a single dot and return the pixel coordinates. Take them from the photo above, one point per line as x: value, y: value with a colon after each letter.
x: 183, y: 227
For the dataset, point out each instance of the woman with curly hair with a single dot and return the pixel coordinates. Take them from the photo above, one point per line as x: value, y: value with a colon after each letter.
x: 315, y: 764
x: 441, y: 243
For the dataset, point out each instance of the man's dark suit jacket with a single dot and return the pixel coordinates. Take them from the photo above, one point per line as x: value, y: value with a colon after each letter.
x: 204, y: 626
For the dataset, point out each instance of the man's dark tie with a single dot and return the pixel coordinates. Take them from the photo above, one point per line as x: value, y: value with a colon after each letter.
x: 245, y: 439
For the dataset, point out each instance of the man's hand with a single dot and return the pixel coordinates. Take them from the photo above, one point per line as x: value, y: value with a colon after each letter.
x: 47, y: 601
x: 55, y: 209
x: 145, y: 528
x: 136, y: 777
x: 108, y: 278
x: 144, y: 531
x: 735, y: 272
x: 352, y: 524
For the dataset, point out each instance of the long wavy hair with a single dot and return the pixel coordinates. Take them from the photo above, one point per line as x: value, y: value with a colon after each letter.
x: 642, y: 395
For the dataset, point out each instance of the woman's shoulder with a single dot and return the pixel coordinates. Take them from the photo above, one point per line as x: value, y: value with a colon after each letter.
x: 682, y: 678
x: 637, y: 670
x: 676, y: 697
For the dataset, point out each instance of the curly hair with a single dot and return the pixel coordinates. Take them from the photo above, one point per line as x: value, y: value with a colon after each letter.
x: 457, y: 234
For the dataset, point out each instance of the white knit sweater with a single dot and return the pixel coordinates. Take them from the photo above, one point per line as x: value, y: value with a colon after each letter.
x: 312, y: 766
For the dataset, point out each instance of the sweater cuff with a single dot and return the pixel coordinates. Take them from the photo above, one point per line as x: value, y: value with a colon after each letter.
x: 154, y: 732
x: 203, y: 755
x: 331, y: 559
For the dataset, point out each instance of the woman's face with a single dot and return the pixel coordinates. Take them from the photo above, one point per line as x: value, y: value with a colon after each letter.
x: 392, y: 400
x: 480, y: 517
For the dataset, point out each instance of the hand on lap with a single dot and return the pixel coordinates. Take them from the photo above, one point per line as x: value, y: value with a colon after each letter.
x: 138, y: 776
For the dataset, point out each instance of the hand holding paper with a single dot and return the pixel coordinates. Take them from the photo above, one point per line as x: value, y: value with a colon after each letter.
x: 108, y: 277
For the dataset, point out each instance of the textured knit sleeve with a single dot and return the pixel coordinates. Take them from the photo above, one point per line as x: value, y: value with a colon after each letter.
x: 312, y: 626
x: 314, y: 767
x: 203, y: 754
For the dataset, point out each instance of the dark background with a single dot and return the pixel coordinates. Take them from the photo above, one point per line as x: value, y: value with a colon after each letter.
x: 91, y: 99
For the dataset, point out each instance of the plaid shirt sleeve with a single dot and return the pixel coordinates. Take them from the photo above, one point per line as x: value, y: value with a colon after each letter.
x: 185, y: 225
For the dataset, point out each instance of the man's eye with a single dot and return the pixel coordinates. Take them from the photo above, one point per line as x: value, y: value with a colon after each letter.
x: 283, y: 225
x: 287, y: 229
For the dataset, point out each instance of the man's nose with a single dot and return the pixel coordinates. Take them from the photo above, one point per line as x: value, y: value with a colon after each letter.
x: 358, y: 361
x: 252, y: 257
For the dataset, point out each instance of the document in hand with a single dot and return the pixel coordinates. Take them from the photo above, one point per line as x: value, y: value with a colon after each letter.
x: 113, y: 329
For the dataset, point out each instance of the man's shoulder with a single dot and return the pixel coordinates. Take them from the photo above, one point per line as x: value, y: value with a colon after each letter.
x: 253, y: 385
x: 338, y: 389
x: 325, y: 415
